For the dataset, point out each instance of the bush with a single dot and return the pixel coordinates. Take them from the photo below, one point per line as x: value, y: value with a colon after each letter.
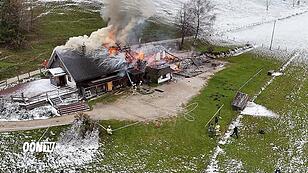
x: 15, y: 21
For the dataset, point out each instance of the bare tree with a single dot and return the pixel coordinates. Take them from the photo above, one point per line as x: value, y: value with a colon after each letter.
x: 194, y: 18
x: 184, y: 22
x: 203, y: 16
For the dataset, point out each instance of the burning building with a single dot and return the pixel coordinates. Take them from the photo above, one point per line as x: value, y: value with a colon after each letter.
x: 104, y: 69
x: 97, y: 63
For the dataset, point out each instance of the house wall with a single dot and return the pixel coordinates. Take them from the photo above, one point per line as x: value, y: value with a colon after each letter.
x: 70, y: 80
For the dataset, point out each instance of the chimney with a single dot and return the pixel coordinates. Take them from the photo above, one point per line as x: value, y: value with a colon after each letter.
x: 83, y: 49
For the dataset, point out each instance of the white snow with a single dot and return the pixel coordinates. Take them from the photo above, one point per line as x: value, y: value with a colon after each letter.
x: 13, y: 112
x: 254, y: 109
x: 243, y: 21
x: 213, y: 167
x: 73, y: 151
x: 290, y: 34
x: 277, y: 74
x: 30, y: 89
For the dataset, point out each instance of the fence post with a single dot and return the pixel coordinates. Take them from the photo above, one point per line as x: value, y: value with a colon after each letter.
x: 23, y: 97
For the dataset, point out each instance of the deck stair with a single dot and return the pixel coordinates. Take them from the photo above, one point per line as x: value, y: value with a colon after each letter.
x: 73, y: 108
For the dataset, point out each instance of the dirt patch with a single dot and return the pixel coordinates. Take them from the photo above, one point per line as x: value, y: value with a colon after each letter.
x: 157, y: 105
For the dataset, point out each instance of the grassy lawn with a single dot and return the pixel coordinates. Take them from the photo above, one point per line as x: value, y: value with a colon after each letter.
x: 53, y: 29
x: 180, y: 145
x: 283, y: 144
x: 177, y: 144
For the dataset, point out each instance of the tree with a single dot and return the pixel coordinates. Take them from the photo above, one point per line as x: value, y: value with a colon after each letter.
x: 267, y: 5
x: 14, y: 23
x: 203, y: 16
x: 194, y: 18
x: 184, y: 22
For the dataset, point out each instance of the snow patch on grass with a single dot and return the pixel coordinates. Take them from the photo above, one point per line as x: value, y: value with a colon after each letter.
x: 254, y: 109
x: 73, y: 152
x: 13, y: 112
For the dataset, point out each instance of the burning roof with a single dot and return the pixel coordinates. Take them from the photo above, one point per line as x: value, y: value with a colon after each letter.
x: 84, y: 67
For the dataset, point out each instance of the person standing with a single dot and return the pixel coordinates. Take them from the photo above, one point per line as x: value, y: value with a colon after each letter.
x: 216, y: 120
x: 109, y: 130
x: 235, y: 132
x: 211, y: 130
x: 217, y: 130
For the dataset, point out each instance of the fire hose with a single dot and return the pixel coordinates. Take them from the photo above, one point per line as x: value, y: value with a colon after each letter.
x: 187, y: 115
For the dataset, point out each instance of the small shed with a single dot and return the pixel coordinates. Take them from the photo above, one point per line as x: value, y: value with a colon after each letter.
x: 57, y: 76
x: 158, y: 73
x: 240, y: 101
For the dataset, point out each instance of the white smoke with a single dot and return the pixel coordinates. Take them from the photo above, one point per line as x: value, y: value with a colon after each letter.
x: 96, y: 40
x: 124, y: 19
x: 126, y: 15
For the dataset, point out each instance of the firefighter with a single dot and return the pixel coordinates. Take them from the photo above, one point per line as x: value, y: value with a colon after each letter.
x: 216, y: 120
x: 109, y: 130
x: 217, y: 130
x: 235, y: 132
x: 211, y: 130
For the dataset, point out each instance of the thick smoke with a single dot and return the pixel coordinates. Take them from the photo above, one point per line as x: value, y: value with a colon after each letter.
x: 126, y: 16
x: 95, y: 42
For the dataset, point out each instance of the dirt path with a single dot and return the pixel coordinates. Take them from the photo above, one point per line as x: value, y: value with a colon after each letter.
x: 134, y: 107
x: 35, y: 124
x: 157, y: 105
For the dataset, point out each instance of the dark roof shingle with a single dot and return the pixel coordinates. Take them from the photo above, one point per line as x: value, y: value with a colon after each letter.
x: 83, y: 67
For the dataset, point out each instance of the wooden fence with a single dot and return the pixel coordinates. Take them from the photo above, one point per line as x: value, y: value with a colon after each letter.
x: 19, y: 78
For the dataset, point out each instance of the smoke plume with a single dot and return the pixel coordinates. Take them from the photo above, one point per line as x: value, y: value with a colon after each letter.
x: 126, y: 16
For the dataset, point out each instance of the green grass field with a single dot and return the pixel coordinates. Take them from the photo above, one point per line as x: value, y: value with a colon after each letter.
x: 283, y: 144
x: 53, y: 29
x: 179, y: 145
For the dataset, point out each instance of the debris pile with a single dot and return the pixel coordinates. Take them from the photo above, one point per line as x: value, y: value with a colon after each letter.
x: 232, y: 52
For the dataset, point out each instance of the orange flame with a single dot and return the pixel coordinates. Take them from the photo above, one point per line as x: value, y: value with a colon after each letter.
x: 140, y: 56
x: 113, y: 50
